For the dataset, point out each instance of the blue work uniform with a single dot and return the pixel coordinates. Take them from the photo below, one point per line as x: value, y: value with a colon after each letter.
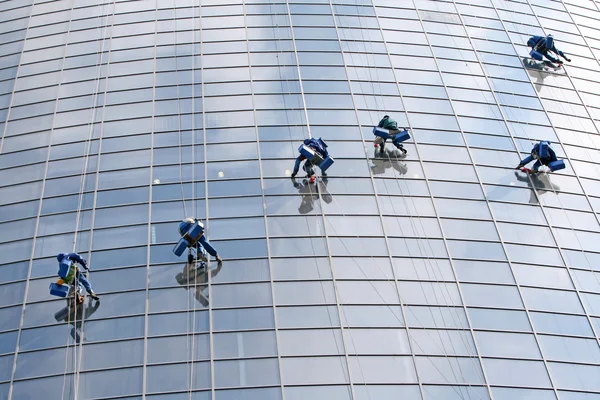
x: 202, y: 242
x: 544, y: 44
x: 69, y: 272
x: 540, y: 160
x: 319, y: 146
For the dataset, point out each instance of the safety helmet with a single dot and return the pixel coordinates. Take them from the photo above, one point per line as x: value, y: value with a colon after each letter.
x: 185, y: 225
x: 60, y: 256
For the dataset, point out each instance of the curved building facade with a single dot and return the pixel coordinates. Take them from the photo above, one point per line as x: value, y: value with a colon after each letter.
x: 446, y: 274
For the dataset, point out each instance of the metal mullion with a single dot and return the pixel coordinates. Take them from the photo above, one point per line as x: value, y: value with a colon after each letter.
x: 289, y: 14
x: 542, y: 207
x: 210, y: 309
x: 265, y: 219
x: 149, y: 245
x: 377, y: 200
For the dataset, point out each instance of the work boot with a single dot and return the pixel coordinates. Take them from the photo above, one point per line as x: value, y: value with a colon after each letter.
x: 94, y: 296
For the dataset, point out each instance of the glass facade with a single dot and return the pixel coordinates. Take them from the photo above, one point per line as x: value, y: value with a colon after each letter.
x: 443, y: 275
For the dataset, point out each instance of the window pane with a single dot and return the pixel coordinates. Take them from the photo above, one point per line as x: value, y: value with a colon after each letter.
x: 244, y: 344
x: 311, y: 342
x: 496, y: 344
x: 516, y: 373
x: 314, y: 370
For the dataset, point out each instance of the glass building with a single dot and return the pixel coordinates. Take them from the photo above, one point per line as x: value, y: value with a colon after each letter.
x: 446, y: 274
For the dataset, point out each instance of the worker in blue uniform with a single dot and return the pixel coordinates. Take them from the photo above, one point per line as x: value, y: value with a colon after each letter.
x: 200, y: 244
x: 70, y: 273
x: 544, y: 45
x: 535, y: 155
x: 390, y: 124
x: 319, y: 146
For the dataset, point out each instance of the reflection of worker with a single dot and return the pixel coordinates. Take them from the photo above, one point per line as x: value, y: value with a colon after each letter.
x: 381, y: 163
x: 311, y: 193
x: 539, y: 183
x: 197, y: 275
x: 77, y: 317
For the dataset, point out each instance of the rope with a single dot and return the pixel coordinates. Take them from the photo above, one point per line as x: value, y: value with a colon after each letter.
x: 75, y: 285
x: 84, y: 174
x: 179, y: 134
x: 194, y: 195
x: 371, y: 282
x: 383, y: 299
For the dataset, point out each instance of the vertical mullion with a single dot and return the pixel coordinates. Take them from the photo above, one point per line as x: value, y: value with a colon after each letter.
x: 151, y: 183
x: 265, y: 220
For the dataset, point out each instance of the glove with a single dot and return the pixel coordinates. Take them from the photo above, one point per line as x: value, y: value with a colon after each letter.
x: 568, y: 59
x: 219, y: 259
x: 84, y: 264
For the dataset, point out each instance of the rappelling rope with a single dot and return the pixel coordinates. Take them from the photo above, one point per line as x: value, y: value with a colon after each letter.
x: 362, y: 270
